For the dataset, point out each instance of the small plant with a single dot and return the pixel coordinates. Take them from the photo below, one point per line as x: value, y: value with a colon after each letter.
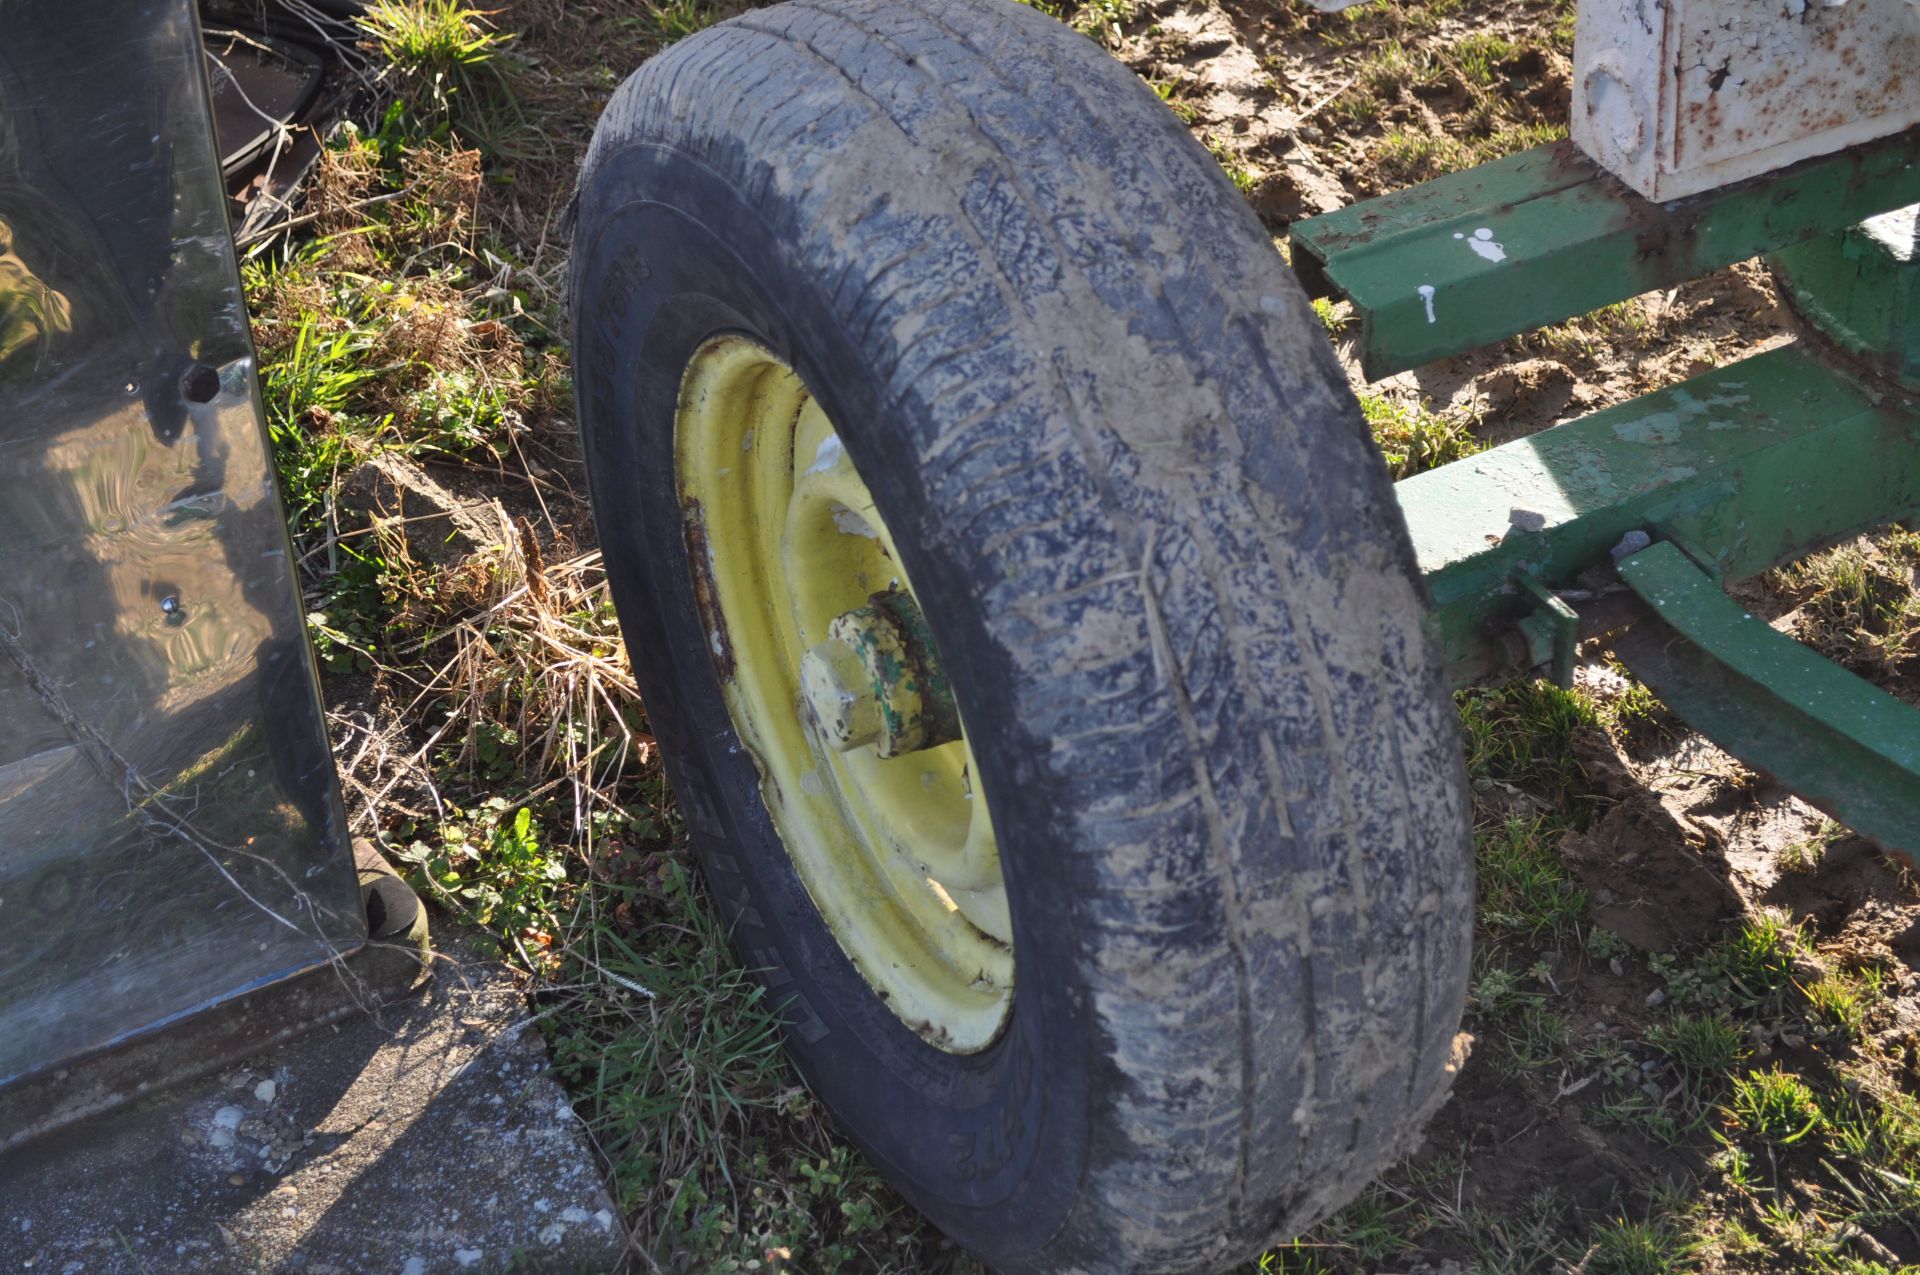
x: 1759, y: 956
x: 445, y: 58
x: 1392, y: 68
x: 1603, y: 944
x: 1168, y: 91
x: 1103, y: 19
x: 1244, y: 179
x: 1861, y: 606
x: 1479, y: 57
x: 1621, y: 1247
x: 1406, y: 157
x: 1525, y: 891
x: 494, y: 866
x: 1635, y: 714
x: 1499, y: 992
x: 1706, y: 1046
x: 671, y: 20
x: 1414, y: 438
x: 1335, y: 314
x: 1520, y: 735
x: 1837, y: 1004
x: 1775, y: 1106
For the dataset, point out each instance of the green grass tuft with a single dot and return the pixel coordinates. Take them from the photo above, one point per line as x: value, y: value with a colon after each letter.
x: 1774, y: 1106
x: 1414, y: 438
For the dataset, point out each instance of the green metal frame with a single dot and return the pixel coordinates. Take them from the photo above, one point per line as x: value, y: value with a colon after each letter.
x: 1634, y: 516
x: 1849, y: 748
x: 1572, y: 239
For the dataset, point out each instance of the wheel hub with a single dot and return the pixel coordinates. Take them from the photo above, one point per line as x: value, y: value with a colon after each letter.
x: 876, y: 680
x: 833, y: 683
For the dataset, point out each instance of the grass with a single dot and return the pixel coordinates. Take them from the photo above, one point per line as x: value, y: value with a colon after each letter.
x: 1773, y: 1106
x: 1102, y: 20
x: 1412, y: 436
x: 445, y: 62
x: 1520, y: 736
x: 1525, y: 891
x: 491, y: 740
x: 1858, y: 603
x: 1407, y: 156
x: 1621, y: 1247
x: 1707, y: 1047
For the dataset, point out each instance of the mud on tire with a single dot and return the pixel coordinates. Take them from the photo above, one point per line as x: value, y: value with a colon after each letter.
x: 1165, y: 572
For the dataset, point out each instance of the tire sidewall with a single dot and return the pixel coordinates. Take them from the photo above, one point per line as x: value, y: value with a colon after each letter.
x: 993, y: 1145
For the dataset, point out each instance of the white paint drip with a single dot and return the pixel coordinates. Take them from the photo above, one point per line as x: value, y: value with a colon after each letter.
x: 1482, y: 243
x: 1426, y: 294
x: 828, y: 456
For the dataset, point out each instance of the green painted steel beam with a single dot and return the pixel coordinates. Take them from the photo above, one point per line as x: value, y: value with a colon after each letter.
x: 1749, y: 465
x: 1861, y: 290
x: 1477, y: 256
x: 1844, y: 745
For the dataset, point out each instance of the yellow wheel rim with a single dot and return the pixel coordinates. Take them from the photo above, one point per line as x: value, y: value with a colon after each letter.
x: 896, y: 852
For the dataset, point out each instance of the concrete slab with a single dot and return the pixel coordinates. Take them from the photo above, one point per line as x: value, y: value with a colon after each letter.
x: 429, y: 1136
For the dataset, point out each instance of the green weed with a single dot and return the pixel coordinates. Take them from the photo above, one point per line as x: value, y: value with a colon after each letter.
x: 1102, y: 20
x: 1837, y: 1003
x: 1243, y: 178
x: 1621, y: 1247
x: 493, y: 865
x: 1335, y: 315
x: 1521, y: 735
x: 1525, y: 891
x: 1405, y: 157
x: 446, y: 58
x: 1413, y: 438
x: 1860, y: 605
x: 1479, y: 56
x: 1392, y: 68
x: 1774, y: 1106
x: 1707, y: 1047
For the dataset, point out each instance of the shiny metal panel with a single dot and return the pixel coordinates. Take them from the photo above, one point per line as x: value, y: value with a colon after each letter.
x: 171, y: 832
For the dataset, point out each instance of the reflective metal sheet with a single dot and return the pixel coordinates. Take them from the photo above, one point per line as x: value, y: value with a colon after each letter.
x: 171, y: 830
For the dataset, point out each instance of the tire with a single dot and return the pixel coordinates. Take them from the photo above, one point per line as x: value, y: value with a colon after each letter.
x: 1165, y: 572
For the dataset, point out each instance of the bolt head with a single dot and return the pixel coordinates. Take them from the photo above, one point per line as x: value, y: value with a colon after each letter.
x: 839, y: 695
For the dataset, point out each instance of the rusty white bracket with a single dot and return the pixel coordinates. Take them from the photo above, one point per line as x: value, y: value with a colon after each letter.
x: 1675, y: 97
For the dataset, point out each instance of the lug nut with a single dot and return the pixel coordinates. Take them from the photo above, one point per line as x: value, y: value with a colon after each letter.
x: 839, y: 695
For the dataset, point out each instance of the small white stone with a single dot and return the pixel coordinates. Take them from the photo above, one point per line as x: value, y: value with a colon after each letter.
x: 414, y: 1266
x: 552, y: 1233
x: 229, y: 1117
x: 573, y: 1213
x: 468, y: 1256
x: 220, y: 1139
x: 603, y: 1219
x: 265, y: 1090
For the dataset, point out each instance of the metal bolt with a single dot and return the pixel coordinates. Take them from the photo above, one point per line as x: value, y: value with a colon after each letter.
x: 875, y: 681
x: 840, y: 695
